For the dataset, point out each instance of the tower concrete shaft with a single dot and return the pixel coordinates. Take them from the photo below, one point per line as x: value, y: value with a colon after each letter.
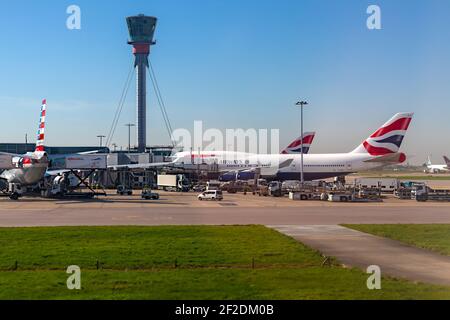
x: 141, y: 64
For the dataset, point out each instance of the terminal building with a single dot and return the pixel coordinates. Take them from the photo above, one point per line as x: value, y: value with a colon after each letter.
x: 22, y: 148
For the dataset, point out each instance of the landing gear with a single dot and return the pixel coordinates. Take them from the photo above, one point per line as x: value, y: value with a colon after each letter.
x: 15, y: 191
x: 14, y: 196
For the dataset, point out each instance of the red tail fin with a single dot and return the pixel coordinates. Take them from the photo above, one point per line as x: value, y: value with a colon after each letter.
x: 296, y: 145
x: 388, y: 138
x: 41, y: 128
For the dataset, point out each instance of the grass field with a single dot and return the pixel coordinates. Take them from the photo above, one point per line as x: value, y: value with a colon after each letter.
x: 180, y: 262
x: 434, y: 237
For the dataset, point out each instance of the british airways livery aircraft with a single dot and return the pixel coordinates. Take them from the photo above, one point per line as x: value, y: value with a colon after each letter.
x: 379, y: 149
x: 296, y: 145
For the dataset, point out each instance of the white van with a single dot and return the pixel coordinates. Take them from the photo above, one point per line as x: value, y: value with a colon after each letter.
x: 210, y: 195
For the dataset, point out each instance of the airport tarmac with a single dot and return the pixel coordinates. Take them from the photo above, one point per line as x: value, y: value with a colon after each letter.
x: 184, y: 209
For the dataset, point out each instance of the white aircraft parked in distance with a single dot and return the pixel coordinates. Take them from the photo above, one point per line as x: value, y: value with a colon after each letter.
x: 379, y: 149
x: 437, y: 168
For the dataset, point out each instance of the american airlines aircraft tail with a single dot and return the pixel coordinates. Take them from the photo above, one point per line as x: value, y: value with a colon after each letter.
x: 41, y: 128
x: 29, y: 168
x: 296, y: 145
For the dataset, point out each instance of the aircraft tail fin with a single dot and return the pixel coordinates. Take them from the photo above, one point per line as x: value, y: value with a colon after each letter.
x: 388, y: 138
x: 447, y: 161
x: 295, y: 147
x: 41, y: 128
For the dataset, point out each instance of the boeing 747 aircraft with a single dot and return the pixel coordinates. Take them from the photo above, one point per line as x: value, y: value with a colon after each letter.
x: 380, y: 149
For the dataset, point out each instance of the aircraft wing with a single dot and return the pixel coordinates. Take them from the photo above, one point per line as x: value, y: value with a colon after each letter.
x: 389, y: 158
x: 6, y: 160
x: 55, y: 172
x: 8, y: 154
x: 143, y: 165
x: 285, y: 163
x: 263, y: 170
x: 90, y: 152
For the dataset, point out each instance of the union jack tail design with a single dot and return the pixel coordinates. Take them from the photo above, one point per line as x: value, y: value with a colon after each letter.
x: 296, y: 145
x: 388, y: 138
x: 41, y: 129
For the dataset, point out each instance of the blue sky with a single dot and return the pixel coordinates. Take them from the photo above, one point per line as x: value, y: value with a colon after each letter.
x: 232, y: 64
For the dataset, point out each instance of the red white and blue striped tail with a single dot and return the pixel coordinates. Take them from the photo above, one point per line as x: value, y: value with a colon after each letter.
x: 41, y: 129
x: 388, y: 138
x: 295, y: 147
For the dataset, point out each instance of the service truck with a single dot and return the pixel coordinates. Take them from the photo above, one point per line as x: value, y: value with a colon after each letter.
x: 213, y: 185
x: 384, y: 184
x: 425, y: 193
x: 278, y: 188
x: 305, y: 193
x: 173, y: 182
x: 405, y: 189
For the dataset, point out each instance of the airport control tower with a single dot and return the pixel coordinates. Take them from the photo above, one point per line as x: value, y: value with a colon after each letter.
x: 141, y: 29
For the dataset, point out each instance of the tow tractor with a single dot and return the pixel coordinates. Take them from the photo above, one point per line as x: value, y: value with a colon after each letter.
x: 124, y: 190
x: 149, y: 195
x: 340, y: 196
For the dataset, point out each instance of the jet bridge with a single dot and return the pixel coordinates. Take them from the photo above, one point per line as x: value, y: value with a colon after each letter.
x: 78, y: 162
x: 84, y: 167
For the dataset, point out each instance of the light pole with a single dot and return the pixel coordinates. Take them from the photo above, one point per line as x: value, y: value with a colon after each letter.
x: 101, y: 139
x: 301, y: 104
x: 129, y: 125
